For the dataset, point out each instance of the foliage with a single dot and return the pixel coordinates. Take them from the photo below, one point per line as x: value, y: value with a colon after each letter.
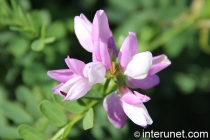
x: 35, y: 36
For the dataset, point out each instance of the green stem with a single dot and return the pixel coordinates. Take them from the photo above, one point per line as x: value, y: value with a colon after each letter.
x: 105, y: 86
x: 75, y: 120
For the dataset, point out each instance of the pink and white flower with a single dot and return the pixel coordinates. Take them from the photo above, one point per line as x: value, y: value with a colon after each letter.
x: 140, y: 68
x: 76, y: 81
x: 87, y: 32
x: 129, y: 105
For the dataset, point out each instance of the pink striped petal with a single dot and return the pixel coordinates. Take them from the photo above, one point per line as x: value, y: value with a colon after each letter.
x: 101, y: 54
x: 61, y: 75
x: 128, y: 49
x: 147, y: 83
x: 100, y: 27
x: 141, y: 97
x: 131, y: 99
x: 76, y: 66
x: 159, y: 63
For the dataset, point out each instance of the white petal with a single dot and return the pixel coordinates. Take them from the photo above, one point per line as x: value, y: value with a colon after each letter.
x: 83, y: 32
x: 139, y: 66
x: 137, y: 113
x: 95, y: 72
x: 75, y: 88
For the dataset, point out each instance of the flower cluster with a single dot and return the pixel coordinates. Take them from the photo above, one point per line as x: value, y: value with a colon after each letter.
x: 139, y: 69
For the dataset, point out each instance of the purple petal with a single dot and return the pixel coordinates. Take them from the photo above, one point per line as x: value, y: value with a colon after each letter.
x: 101, y: 54
x: 100, y: 27
x: 131, y: 99
x: 56, y: 89
x: 116, y: 115
x: 128, y: 49
x: 127, y: 91
x: 147, y: 83
x: 75, y: 88
x: 159, y: 63
x: 62, y: 75
x: 76, y: 66
x: 141, y: 97
x: 112, y: 47
x: 83, y: 27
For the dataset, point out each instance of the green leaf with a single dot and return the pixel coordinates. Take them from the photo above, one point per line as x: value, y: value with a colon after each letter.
x: 37, y: 45
x: 88, y: 119
x: 3, y: 121
x: 71, y: 106
x: 43, y: 31
x: 57, y: 29
x: 24, y: 95
x: 18, y: 47
x: 9, y: 132
x: 49, y: 40
x: 93, y: 94
x: 14, y: 6
x: 14, y: 28
x: 53, y: 113
x: 29, y: 133
x: 15, y: 112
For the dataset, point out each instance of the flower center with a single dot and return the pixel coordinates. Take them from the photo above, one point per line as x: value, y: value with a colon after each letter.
x: 115, y: 74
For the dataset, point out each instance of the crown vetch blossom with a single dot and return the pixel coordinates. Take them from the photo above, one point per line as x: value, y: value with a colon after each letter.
x: 78, y: 79
x: 159, y: 63
x: 140, y: 68
x: 87, y: 32
x: 135, y: 65
x: 129, y: 105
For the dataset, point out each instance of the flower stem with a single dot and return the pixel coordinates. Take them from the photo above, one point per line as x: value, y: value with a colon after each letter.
x: 75, y: 120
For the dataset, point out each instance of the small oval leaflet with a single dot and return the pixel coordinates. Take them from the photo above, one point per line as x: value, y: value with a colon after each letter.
x: 88, y: 119
x: 56, y: 116
x: 29, y: 133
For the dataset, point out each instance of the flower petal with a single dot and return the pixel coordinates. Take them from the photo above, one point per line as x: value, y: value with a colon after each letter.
x: 146, y: 83
x: 100, y: 27
x: 83, y: 27
x: 116, y: 115
x: 131, y: 99
x: 76, y: 66
x: 141, y: 97
x: 62, y: 75
x: 128, y: 49
x: 56, y: 89
x: 139, y: 66
x: 137, y: 113
x: 112, y: 47
x: 159, y: 63
x: 101, y: 54
x: 95, y: 72
x: 75, y: 88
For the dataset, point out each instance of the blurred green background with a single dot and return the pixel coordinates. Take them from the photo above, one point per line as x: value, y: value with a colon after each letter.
x: 177, y: 28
